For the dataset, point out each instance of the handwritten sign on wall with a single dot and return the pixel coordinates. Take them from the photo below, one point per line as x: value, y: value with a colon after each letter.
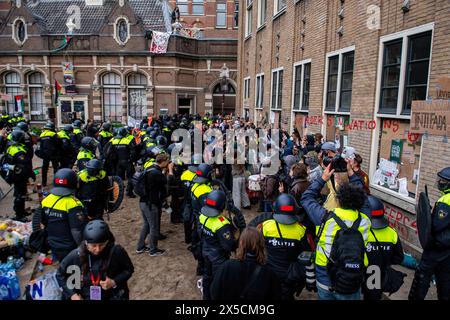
x: 432, y: 117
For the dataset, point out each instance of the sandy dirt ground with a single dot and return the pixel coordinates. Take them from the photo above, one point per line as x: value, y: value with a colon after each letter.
x: 171, y: 276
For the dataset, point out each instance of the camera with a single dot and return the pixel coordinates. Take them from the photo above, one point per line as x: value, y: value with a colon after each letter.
x: 337, y: 163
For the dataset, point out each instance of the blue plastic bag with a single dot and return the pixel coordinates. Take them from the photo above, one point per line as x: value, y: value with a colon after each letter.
x: 9, y: 283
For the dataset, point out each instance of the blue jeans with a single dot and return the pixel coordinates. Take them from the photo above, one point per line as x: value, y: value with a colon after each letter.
x: 328, y: 295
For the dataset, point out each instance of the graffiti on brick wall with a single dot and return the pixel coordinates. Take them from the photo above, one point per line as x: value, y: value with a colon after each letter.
x: 404, y: 223
x: 349, y: 124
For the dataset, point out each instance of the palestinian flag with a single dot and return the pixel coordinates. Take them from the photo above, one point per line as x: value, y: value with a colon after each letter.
x: 19, y: 105
x: 57, y: 92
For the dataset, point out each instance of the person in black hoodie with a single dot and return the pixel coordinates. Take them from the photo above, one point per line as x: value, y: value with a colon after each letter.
x: 104, y: 266
x: 247, y: 277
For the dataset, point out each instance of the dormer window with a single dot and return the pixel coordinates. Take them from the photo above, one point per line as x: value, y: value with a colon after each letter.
x: 122, y: 30
x: 19, y: 32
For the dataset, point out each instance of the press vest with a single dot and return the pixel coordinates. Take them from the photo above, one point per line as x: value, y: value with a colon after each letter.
x: 323, y: 249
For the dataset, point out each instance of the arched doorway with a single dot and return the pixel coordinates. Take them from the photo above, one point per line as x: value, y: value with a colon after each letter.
x: 227, y: 99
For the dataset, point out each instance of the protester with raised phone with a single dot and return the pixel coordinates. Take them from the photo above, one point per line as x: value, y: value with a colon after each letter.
x: 340, y: 256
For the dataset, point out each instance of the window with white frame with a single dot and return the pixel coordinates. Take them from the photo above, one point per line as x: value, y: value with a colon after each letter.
x: 278, y: 5
x: 248, y: 18
x: 407, y: 60
x: 262, y: 12
x: 137, y: 97
x: 36, y: 96
x: 246, y: 88
x: 259, y: 97
x: 197, y: 7
x: 302, y: 75
x: 12, y: 86
x: 277, y: 89
x: 221, y: 15
x: 183, y: 6
x: 112, y: 97
x: 404, y: 62
x: 339, y: 81
x: 236, y: 14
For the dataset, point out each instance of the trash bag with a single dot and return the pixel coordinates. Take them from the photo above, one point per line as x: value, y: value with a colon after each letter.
x: 9, y: 283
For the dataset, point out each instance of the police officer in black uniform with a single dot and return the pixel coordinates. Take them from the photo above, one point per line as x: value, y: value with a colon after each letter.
x: 28, y: 142
x: 217, y: 237
x: 78, y: 134
x: 48, y: 150
x: 67, y: 150
x: 384, y: 249
x: 20, y: 170
x: 175, y: 184
x: 436, y: 256
x: 104, y: 136
x: 285, y: 240
x: 124, y: 151
x: 93, y: 185
x: 62, y: 214
x: 87, y: 152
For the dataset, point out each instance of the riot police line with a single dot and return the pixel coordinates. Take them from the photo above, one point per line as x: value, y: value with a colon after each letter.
x: 338, y: 253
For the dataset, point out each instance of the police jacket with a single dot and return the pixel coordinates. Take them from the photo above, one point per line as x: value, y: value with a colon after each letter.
x: 284, y: 243
x: 384, y: 247
x: 155, y: 186
x: 124, y: 147
x: 93, y: 188
x: 64, y: 221
x: 17, y: 156
x: 198, y: 196
x: 49, y: 145
x: 113, y: 262
x: 217, y: 237
x: 83, y: 157
x: 440, y: 219
x: 234, y: 276
x: 104, y: 137
x: 28, y: 144
x: 67, y: 149
x: 77, y: 137
x: 186, y: 179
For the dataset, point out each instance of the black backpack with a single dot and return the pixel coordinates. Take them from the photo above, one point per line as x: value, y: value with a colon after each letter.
x: 138, y: 182
x: 346, y: 262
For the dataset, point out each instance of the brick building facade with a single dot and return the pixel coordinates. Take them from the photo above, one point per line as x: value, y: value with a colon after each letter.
x: 350, y: 69
x: 215, y: 18
x: 116, y: 77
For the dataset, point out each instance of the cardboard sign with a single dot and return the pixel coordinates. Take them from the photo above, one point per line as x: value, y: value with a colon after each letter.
x: 431, y: 117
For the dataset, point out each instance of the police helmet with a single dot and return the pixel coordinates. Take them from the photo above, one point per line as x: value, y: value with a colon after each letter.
x: 23, y: 126
x: 122, y: 132
x: 153, y: 151
x: 161, y: 141
x: 64, y: 182
x: 49, y: 126
x: 214, y: 203
x: 443, y: 182
x: 149, y: 130
x: 93, y: 167
x: 107, y: 126
x: 18, y: 136
x: 89, y: 143
x: 68, y: 128
x: 377, y: 213
x: 285, y: 209
x: 96, y: 231
x: 196, y: 159
x: 77, y: 124
x: 144, y: 126
x: 204, y: 173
